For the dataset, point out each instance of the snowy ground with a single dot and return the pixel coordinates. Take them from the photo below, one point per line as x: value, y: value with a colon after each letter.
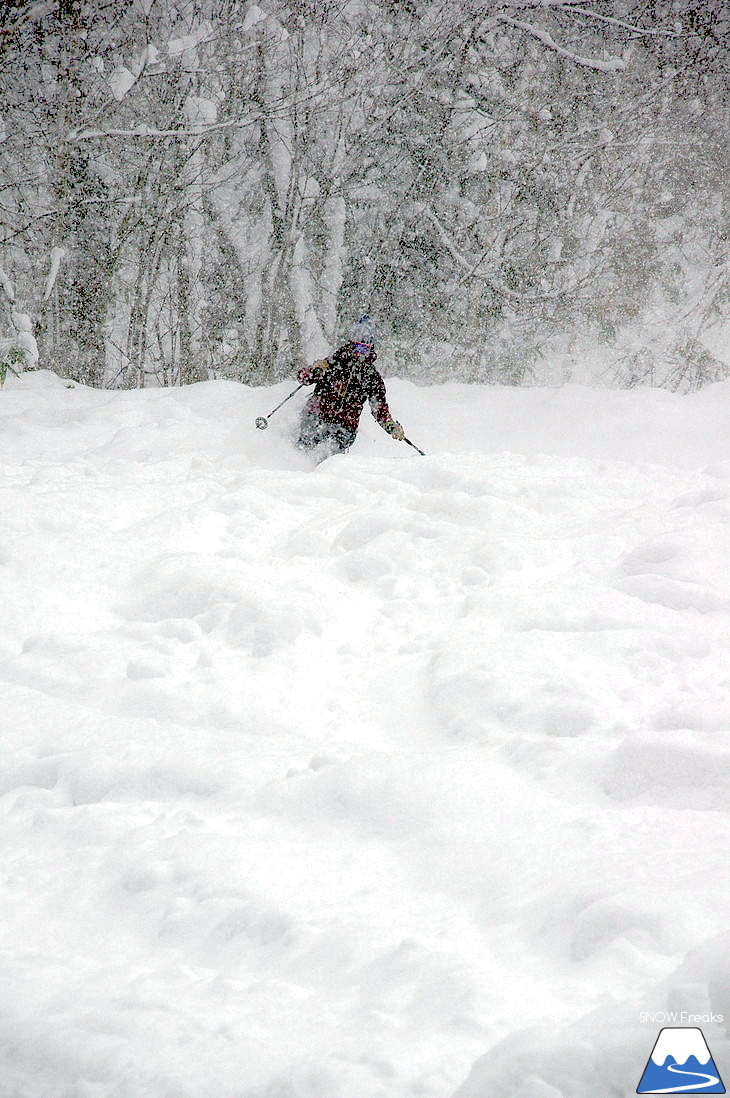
x: 395, y: 777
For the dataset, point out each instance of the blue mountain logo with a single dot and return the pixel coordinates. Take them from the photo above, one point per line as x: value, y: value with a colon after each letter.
x: 680, y: 1063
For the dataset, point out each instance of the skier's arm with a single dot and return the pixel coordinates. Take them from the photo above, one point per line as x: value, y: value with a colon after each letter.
x: 381, y: 411
x: 309, y: 374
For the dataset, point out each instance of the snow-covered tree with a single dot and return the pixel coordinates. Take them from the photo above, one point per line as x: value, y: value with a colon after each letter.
x: 192, y: 190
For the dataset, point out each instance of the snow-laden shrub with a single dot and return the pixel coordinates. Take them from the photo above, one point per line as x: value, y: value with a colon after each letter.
x: 12, y: 360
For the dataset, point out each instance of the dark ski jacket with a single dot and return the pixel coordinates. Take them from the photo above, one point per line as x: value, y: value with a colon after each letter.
x: 342, y: 384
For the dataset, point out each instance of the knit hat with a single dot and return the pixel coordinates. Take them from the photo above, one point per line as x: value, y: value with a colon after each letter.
x: 363, y: 332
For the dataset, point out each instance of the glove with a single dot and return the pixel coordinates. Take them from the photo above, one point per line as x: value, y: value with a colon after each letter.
x: 309, y: 374
x: 395, y: 430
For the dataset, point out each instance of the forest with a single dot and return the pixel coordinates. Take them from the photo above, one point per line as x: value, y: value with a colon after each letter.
x: 511, y: 188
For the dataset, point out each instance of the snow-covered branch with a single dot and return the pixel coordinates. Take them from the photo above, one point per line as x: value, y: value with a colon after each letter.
x: 613, y: 64
x: 145, y: 131
x: 445, y: 240
x: 625, y: 26
x: 466, y: 264
x: 57, y: 254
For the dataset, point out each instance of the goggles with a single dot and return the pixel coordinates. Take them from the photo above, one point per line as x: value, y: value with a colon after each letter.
x: 362, y: 348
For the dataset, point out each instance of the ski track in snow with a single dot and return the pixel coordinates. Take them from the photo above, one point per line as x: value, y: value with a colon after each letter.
x: 324, y: 782
x: 710, y: 1080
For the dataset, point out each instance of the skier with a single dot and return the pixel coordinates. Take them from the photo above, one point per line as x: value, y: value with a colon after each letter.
x: 342, y: 384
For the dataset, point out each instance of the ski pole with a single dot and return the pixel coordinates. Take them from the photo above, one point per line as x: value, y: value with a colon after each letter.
x: 414, y: 446
x: 262, y: 422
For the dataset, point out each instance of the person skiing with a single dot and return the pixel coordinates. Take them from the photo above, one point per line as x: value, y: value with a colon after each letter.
x: 342, y: 384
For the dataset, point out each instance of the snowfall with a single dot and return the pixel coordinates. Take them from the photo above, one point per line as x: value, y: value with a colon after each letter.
x: 388, y: 777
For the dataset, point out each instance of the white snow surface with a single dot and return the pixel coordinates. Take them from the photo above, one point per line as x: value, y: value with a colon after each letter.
x: 393, y: 776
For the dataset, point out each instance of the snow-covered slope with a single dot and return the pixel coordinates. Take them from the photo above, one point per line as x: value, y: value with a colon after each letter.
x: 398, y: 776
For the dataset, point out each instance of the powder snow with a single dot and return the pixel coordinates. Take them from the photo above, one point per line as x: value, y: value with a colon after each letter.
x: 393, y: 776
